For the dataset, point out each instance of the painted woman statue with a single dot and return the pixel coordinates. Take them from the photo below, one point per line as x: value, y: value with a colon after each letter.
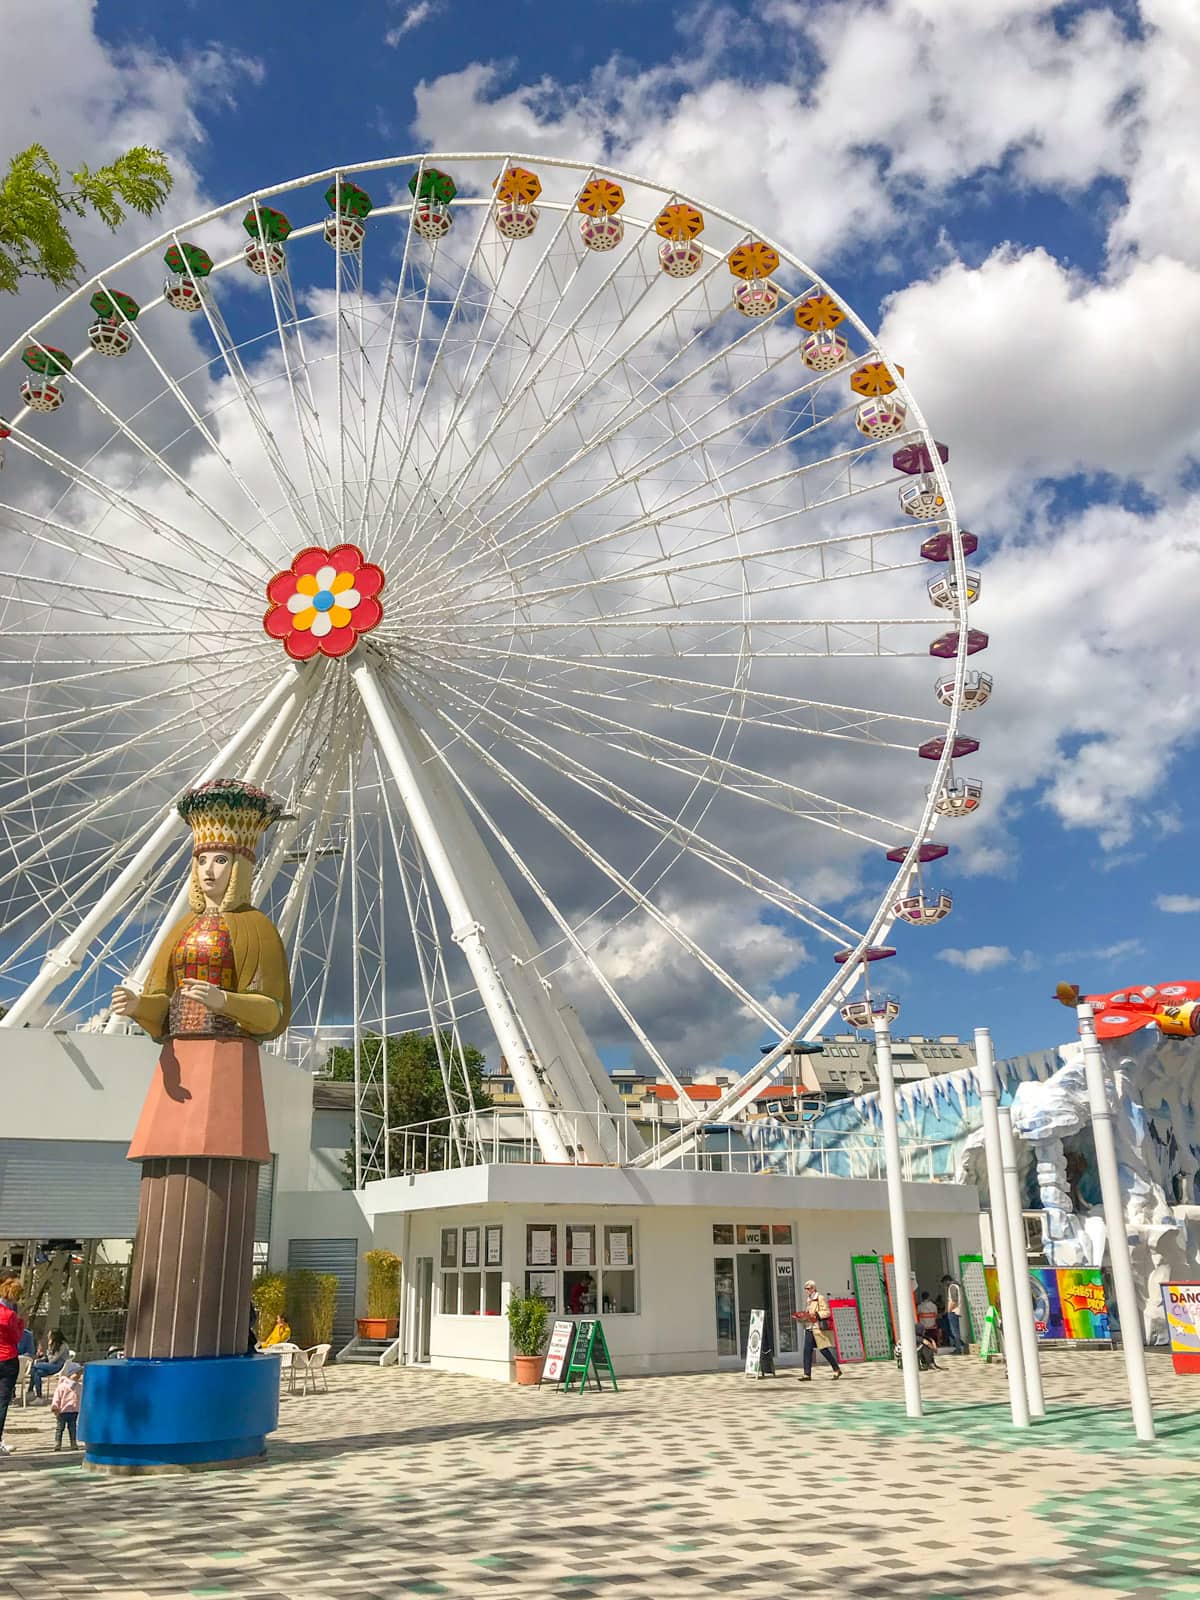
x: 218, y: 985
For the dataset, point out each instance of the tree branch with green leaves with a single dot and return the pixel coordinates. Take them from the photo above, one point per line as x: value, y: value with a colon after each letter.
x: 36, y: 201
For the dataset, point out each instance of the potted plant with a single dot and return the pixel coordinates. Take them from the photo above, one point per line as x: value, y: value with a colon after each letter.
x: 527, y: 1315
x: 383, y: 1296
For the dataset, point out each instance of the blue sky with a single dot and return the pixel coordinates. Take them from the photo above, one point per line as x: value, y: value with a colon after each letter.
x: 998, y: 188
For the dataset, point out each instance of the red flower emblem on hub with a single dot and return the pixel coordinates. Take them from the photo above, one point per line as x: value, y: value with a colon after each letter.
x: 324, y: 601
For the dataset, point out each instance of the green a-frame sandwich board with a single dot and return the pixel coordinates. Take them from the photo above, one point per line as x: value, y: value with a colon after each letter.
x: 589, y: 1354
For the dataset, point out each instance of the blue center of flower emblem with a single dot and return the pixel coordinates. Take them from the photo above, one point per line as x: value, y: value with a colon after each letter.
x: 323, y: 600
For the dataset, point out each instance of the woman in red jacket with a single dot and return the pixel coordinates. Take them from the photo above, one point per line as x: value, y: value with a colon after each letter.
x: 12, y: 1326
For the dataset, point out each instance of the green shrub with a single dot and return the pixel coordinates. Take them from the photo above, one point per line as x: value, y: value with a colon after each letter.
x: 311, y: 1299
x: 383, y: 1283
x: 527, y: 1323
x: 269, y: 1294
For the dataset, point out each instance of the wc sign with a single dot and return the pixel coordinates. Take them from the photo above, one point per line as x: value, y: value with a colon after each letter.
x: 1181, y: 1302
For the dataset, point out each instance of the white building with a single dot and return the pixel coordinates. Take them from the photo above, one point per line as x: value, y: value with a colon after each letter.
x: 673, y: 1260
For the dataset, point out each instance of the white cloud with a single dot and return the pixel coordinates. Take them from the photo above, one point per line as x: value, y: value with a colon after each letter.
x: 412, y: 18
x: 979, y: 958
x: 1178, y: 904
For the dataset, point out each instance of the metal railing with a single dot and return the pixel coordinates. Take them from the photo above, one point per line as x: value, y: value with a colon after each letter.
x: 502, y: 1136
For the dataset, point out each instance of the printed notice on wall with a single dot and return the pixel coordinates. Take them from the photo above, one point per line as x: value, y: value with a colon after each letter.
x: 618, y: 1249
x: 493, y: 1237
x: 470, y: 1247
x: 541, y: 1252
x: 581, y: 1247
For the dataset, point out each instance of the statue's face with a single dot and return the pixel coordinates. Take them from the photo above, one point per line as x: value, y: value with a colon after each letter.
x: 213, y: 868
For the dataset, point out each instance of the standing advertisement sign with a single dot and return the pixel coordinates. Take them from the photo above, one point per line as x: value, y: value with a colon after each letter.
x: 1181, y: 1302
x: 754, y: 1344
x: 558, y: 1351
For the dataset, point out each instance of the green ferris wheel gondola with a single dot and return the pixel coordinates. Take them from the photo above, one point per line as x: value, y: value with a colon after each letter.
x: 272, y: 225
x: 351, y: 202
x: 431, y: 184
x: 114, y: 305
x: 189, y: 258
x: 47, y: 360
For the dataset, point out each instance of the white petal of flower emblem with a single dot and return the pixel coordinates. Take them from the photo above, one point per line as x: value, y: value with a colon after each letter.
x: 325, y: 577
x: 321, y: 624
x: 299, y: 602
x: 348, y: 598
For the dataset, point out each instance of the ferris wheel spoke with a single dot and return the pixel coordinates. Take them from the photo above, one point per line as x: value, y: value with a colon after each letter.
x: 654, y: 459
x: 700, y: 765
x: 552, y: 259
x: 703, y: 698
x: 580, y: 950
x: 289, y: 337
x: 413, y: 421
x: 683, y: 508
x: 668, y: 828
x: 153, y: 458
x: 640, y: 900
x: 57, y: 536
x: 150, y: 521
x: 659, y: 396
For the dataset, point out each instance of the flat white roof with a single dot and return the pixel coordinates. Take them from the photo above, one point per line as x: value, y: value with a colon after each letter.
x: 538, y: 1185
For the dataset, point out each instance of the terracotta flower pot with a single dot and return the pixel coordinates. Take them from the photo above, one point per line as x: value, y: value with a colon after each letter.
x: 529, y: 1369
x: 378, y: 1327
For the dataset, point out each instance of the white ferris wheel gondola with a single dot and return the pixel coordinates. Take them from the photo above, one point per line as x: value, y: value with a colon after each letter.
x: 552, y: 585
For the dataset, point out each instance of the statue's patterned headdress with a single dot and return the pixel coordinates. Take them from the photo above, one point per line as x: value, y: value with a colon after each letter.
x: 227, y: 814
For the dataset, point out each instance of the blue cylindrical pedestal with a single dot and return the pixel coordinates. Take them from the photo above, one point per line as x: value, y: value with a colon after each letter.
x: 178, y: 1416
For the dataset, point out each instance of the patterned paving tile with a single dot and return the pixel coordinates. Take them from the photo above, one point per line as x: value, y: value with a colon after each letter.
x: 404, y: 1483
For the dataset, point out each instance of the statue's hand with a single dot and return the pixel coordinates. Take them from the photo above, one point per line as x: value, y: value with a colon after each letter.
x: 206, y: 993
x: 123, y: 1001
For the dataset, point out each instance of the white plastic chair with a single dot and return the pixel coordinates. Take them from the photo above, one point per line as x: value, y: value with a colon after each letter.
x: 291, y: 1358
x: 314, y: 1366
x: 24, y: 1368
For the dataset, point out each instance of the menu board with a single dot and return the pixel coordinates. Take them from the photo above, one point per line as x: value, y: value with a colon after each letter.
x: 872, y: 1308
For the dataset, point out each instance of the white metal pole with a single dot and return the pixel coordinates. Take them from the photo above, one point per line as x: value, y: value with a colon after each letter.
x: 1114, y: 1224
x: 899, y: 1221
x: 68, y: 956
x: 989, y: 1101
x: 1030, y: 1356
x: 406, y: 761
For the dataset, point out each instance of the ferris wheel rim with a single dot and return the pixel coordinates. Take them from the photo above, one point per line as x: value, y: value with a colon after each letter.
x: 925, y: 828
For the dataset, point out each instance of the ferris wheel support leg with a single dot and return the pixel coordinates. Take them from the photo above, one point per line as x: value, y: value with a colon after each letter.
x: 406, y: 763
x: 68, y: 956
x: 303, y: 681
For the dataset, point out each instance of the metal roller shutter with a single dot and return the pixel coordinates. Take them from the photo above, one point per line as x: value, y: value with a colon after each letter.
x: 84, y: 1189
x: 339, y: 1256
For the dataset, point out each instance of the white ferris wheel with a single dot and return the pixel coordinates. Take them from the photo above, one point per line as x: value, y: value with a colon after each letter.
x: 568, y: 556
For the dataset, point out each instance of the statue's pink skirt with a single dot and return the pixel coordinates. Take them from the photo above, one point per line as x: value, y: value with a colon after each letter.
x: 206, y: 1099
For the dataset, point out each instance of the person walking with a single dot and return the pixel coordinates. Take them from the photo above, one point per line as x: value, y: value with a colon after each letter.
x: 12, y: 1326
x: 955, y: 1313
x: 65, y: 1404
x: 818, y: 1331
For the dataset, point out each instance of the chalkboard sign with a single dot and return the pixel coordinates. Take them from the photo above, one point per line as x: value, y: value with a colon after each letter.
x: 589, y: 1354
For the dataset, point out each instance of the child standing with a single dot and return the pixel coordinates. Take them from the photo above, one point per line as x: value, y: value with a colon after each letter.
x: 65, y: 1403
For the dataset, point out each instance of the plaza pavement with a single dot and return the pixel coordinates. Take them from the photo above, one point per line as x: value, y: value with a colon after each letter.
x: 408, y: 1482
